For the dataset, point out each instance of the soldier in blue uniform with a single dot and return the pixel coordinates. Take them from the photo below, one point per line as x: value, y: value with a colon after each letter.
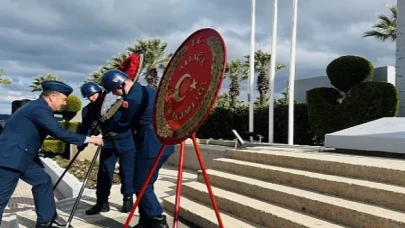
x: 115, y: 146
x: 137, y: 114
x: 20, y: 142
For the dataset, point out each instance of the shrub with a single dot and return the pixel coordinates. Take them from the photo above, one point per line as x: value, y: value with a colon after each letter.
x: 329, y: 111
x: 364, y: 100
x: 73, y: 104
x: 53, y: 146
x: 348, y: 71
x: 324, y: 111
x: 369, y: 101
x: 72, y: 126
x: 56, y: 146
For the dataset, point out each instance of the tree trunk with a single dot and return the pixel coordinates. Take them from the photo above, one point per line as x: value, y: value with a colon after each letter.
x: 152, y: 78
x: 234, y: 89
x: 263, y: 87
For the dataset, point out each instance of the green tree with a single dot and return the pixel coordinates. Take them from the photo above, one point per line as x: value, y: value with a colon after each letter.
x: 234, y: 71
x: 223, y: 100
x: 4, y: 81
x: 283, y: 100
x: 115, y: 61
x: 36, y: 84
x: 262, y: 66
x: 386, y: 26
x: 155, y: 58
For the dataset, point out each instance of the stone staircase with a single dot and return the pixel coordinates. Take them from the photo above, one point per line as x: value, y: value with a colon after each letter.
x: 292, y: 186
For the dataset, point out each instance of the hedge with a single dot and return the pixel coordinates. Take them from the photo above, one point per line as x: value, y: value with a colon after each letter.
x: 52, y: 145
x: 222, y: 120
x: 328, y: 111
x: 324, y: 111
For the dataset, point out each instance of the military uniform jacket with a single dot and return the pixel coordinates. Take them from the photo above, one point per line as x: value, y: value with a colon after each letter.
x: 122, y: 141
x: 136, y: 113
x: 25, y: 132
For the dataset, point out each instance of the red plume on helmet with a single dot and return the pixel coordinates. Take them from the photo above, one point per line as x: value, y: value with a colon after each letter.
x: 132, y: 65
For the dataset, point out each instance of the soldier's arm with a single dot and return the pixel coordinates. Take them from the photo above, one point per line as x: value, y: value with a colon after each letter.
x: 44, y: 118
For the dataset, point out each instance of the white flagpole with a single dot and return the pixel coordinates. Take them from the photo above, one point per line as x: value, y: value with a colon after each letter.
x: 292, y: 76
x: 272, y: 72
x: 251, y: 67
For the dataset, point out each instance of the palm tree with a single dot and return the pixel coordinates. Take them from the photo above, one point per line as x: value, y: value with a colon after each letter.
x: 262, y: 66
x: 386, y: 26
x: 4, y: 81
x: 36, y: 84
x: 234, y: 70
x: 111, y: 64
x: 155, y: 58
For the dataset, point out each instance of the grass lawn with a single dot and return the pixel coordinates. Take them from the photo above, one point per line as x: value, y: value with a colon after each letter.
x: 80, y: 168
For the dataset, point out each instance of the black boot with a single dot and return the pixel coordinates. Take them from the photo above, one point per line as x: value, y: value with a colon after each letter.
x: 101, y: 206
x: 158, y: 222
x: 127, y: 204
x: 142, y: 223
x: 55, y: 224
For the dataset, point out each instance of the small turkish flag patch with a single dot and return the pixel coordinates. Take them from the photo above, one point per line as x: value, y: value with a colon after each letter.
x: 124, y: 104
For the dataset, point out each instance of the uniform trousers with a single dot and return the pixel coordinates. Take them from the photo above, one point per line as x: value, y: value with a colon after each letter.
x: 149, y: 206
x: 42, y: 190
x: 108, y: 159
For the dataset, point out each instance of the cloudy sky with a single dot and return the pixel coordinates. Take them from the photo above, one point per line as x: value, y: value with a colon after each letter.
x: 73, y: 38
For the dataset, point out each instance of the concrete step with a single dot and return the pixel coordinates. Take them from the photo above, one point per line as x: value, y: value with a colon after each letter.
x: 331, y: 208
x: 9, y: 219
x: 379, y: 194
x: 384, y: 170
x: 253, y: 210
x: 113, y: 218
x: 204, y: 216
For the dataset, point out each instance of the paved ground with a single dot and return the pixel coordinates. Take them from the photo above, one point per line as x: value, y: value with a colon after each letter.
x: 22, y: 199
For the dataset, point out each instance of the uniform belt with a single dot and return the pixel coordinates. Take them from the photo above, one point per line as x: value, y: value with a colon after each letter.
x: 111, y: 134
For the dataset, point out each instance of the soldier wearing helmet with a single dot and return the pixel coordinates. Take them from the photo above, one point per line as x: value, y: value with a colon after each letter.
x: 116, y: 146
x: 138, y: 116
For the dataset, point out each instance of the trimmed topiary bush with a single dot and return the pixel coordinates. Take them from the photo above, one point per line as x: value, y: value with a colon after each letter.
x: 348, y: 71
x: 369, y: 101
x: 324, y: 111
x: 73, y: 105
x: 56, y: 147
x: 329, y: 110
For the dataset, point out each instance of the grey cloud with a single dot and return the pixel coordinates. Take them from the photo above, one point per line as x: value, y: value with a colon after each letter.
x: 73, y: 39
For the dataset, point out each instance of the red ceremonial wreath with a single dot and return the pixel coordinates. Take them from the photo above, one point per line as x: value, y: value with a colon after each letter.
x: 131, y: 65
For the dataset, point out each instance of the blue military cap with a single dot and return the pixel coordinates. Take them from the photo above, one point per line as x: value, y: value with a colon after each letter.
x: 57, y: 86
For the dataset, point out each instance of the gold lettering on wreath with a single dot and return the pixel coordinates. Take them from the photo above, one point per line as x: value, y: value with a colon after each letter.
x: 195, y: 57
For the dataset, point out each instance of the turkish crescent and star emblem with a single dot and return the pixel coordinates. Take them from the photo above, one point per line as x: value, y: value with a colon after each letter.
x: 190, y: 86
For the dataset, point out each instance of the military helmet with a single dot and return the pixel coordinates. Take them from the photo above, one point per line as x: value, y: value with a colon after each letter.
x: 113, y: 79
x: 89, y: 88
